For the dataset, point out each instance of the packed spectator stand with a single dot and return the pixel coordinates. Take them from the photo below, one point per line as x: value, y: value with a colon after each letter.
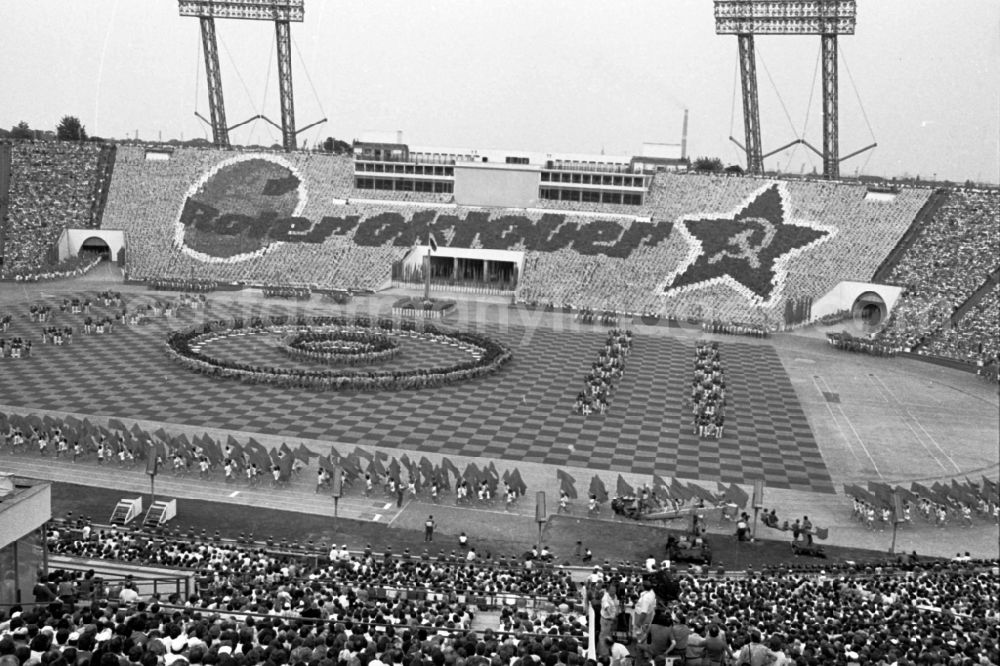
x: 564, y: 278
x: 975, y: 337
x: 54, y: 185
x: 953, y: 256
x: 257, y: 605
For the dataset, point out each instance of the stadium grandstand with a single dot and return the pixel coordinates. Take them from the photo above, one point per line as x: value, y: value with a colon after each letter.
x: 279, y: 406
x: 352, y: 239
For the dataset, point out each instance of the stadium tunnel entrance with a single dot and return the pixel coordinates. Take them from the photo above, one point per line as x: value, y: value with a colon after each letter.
x: 97, y: 246
x: 870, y: 309
x: 106, y: 242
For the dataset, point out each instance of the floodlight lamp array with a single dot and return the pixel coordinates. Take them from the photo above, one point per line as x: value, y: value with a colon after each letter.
x: 260, y: 10
x: 785, y: 17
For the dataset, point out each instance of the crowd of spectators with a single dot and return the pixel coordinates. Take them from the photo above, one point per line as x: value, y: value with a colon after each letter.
x: 237, y: 577
x: 975, y: 337
x: 903, y: 616
x: 865, y: 233
x: 80, y: 264
x: 952, y: 257
x: 708, y: 392
x: 146, y: 196
x: 54, y: 185
x: 348, y: 631
x: 255, y: 606
x: 604, y: 373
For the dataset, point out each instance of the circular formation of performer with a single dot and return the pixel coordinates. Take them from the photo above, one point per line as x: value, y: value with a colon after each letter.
x: 340, y: 347
x: 485, y: 355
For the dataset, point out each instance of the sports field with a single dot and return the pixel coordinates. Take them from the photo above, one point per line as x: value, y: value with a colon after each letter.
x: 801, y: 416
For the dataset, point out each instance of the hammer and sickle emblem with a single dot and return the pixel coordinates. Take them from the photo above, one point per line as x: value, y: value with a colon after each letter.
x: 741, y: 246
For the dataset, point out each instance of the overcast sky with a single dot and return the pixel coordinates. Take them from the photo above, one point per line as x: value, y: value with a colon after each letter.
x: 540, y: 75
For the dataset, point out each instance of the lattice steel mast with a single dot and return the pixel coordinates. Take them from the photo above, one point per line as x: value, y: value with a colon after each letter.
x: 283, y: 13
x: 216, y: 103
x: 827, y: 18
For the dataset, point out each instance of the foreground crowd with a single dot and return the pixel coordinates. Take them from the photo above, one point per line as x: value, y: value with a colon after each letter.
x: 364, y: 609
x: 911, y: 615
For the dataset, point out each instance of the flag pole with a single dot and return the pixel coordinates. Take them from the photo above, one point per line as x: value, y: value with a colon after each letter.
x: 427, y: 269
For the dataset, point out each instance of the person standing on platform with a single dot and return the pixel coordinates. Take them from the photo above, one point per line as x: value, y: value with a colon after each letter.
x: 429, y: 529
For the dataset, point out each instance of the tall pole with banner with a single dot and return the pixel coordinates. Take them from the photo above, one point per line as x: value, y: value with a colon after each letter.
x: 758, y: 504
x: 152, y: 458
x: 897, y: 518
x: 338, y: 488
x: 540, y: 516
x: 432, y: 246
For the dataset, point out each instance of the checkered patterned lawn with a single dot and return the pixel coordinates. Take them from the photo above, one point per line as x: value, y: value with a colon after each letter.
x: 522, y: 413
x: 264, y: 349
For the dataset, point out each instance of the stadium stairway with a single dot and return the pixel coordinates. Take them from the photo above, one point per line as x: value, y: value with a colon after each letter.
x: 927, y: 212
x: 102, y: 184
x: 960, y: 311
x: 977, y: 296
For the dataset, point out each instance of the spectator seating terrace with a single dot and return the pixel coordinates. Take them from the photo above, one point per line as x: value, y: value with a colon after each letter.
x: 975, y: 337
x: 909, y: 614
x: 601, y: 262
x: 232, y: 566
x: 952, y: 257
x: 54, y: 185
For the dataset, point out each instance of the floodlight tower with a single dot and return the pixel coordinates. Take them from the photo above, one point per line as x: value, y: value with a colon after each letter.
x: 282, y: 12
x: 827, y: 18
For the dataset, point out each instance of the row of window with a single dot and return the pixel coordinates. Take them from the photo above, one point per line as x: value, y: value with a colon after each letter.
x: 593, y: 179
x: 585, y: 196
x: 604, y: 167
x: 410, y: 169
x: 403, y: 185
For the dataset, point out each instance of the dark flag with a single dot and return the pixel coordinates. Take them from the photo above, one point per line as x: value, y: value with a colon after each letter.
x: 623, y: 489
x: 679, y: 491
x: 394, y: 468
x: 304, y: 453
x: 376, y: 468
x: 598, y: 490
x: 517, y: 483
x: 566, y: 483
x: 736, y: 495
